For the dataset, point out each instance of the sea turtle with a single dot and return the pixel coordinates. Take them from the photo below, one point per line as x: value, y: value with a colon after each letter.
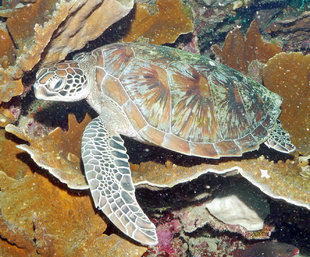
x: 162, y: 96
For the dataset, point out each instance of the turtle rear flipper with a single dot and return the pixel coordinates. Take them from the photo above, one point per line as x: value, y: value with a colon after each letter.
x: 279, y: 139
x: 109, y: 177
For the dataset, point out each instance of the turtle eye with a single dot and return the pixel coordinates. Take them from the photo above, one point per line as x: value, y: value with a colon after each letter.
x: 56, y: 85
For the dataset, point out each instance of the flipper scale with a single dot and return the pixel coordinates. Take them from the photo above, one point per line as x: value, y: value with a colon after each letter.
x: 109, y: 177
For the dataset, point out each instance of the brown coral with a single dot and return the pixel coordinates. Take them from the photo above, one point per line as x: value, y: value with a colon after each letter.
x: 161, y: 26
x: 16, y: 235
x: 282, y: 180
x: 279, y: 180
x: 238, y: 52
x: 6, y: 47
x: 39, y: 216
x: 10, y: 88
x: 15, y: 168
x: 55, y: 27
x: 83, y: 26
x: 288, y: 74
x: 6, y: 117
x: 55, y: 152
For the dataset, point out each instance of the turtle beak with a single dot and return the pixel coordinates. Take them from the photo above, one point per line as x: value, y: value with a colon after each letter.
x: 41, y: 92
x: 38, y: 91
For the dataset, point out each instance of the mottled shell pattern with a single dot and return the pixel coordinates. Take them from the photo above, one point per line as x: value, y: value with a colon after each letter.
x: 185, y: 102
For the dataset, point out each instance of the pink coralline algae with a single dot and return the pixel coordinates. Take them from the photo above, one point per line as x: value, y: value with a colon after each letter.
x: 169, y: 243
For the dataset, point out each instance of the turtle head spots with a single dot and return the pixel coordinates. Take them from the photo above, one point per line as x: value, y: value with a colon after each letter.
x: 63, y: 81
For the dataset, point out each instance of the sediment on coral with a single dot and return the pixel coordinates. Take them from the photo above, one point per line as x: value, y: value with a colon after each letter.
x: 288, y: 74
x: 15, y: 235
x: 159, y: 23
x: 39, y: 217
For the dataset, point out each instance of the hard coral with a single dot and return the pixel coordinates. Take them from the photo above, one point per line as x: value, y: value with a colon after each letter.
x: 55, y: 27
x: 238, y: 52
x: 55, y: 151
x: 279, y: 180
x: 82, y: 25
x: 16, y: 235
x: 240, y: 205
x: 288, y: 74
x: 195, y: 217
x: 6, y: 47
x: 294, y: 32
x: 9, y: 88
x: 14, y: 168
x: 31, y: 32
x: 164, y: 25
x: 40, y: 217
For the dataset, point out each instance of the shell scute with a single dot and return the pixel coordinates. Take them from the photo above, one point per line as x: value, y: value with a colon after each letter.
x: 193, y: 114
x: 228, y: 148
x: 152, y: 134
x: 268, y: 122
x: 260, y: 133
x: 134, y: 115
x: 177, y: 144
x: 185, y: 102
x: 116, y: 59
x: 148, y: 87
x: 203, y: 149
x: 158, y: 56
x: 113, y: 89
x: 100, y: 75
x: 97, y: 53
x: 247, y: 143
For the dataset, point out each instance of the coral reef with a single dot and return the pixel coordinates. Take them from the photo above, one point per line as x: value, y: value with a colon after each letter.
x: 55, y: 152
x: 168, y: 229
x: 282, y: 180
x: 6, y: 117
x: 279, y: 180
x: 268, y: 248
x: 280, y: 72
x: 196, y: 217
x: 238, y: 51
x: 16, y: 168
x: 293, y: 32
x: 192, y: 231
x: 213, y: 19
x: 40, y: 216
x: 69, y: 226
x: 238, y: 205
x: 159, y: 23
x: 52, y: 27
x: 288, y: 75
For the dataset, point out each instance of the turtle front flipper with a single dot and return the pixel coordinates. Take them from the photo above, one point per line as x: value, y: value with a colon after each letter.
x: 109, y: 177
x: 279, y: 139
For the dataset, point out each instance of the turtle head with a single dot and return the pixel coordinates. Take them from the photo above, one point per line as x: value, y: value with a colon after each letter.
x: 64, y: 81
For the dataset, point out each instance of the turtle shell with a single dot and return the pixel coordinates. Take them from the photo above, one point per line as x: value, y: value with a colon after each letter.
x: 186, y: 102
